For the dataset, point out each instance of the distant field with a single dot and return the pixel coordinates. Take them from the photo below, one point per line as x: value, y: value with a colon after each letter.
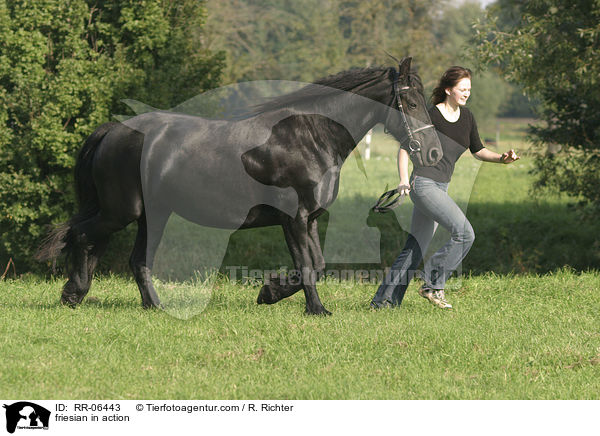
x: 525, y: 323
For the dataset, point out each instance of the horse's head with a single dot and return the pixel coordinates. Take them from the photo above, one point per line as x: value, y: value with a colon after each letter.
x: 408, y: 120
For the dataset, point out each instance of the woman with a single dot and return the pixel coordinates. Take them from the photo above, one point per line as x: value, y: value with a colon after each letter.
x: 428, y: 187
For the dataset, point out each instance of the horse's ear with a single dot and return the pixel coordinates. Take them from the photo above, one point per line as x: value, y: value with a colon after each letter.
x: 404, y: 67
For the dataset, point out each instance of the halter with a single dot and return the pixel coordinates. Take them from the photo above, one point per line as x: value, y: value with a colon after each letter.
x: 414, y: 145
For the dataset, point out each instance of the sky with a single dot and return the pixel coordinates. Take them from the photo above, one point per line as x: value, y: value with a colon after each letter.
x: 484, y: 3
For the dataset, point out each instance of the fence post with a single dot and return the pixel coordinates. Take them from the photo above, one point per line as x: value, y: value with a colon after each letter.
x: 368, y: 141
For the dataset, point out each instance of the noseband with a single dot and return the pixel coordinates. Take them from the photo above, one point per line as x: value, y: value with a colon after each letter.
x: 414, y: 145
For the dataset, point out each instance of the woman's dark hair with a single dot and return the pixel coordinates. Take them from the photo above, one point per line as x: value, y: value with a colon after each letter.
x: 449, y: 79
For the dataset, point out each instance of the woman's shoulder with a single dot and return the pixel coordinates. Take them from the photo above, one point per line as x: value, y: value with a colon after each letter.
x: 467, y: 112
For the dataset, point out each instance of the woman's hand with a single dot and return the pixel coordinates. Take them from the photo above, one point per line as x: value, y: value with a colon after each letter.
x: 404, y: 188
x: 489, y: 156
x: 509, y: 157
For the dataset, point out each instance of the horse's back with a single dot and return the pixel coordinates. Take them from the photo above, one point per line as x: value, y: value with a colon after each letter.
x: 193, y: 166
x: 214, y: 172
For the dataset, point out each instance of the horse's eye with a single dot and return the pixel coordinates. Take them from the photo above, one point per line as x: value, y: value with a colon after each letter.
x: 412, y: 105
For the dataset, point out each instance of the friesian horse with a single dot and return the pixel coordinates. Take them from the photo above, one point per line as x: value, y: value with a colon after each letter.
x: 277, y: 166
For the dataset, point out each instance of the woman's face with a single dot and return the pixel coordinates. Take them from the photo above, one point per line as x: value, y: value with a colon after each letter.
x: 461, y: 92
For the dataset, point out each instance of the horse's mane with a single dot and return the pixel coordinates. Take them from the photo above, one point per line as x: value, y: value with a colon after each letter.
x: 349, y: 81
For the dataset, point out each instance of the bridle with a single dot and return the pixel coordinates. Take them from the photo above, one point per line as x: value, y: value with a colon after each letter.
x: 392, y: 198
x: 414, y: 145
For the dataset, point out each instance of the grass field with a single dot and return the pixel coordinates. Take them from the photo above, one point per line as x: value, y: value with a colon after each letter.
x: 524, y: 324
x: 509, y: 337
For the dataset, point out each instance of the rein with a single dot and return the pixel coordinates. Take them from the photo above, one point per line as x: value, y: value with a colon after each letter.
x: 388, y: 201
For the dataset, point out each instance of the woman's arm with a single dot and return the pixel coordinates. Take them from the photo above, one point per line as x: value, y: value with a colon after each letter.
x: 403, y: 187
x: 489, y: 156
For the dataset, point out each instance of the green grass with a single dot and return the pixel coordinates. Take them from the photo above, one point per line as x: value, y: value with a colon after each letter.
x: 525, y: 323
x: 509, y: 337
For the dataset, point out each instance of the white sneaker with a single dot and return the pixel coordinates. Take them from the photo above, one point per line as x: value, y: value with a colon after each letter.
x: 435, y: 297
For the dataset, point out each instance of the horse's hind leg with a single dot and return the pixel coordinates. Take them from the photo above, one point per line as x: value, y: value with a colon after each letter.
x: 89, y: 240
x: 142, y: 258
x: 77, y: 285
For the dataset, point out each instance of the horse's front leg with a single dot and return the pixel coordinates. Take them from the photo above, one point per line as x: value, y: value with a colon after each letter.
x: 297, y: 236
x: 314, y: 245
x: 277, y: 288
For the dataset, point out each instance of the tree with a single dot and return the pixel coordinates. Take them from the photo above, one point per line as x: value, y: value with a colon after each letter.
x: 307, y: 39
x: 275, y: 39
x: 64, y: 66
x: 453, y: 31
x: 552, y: 49
x: 400, y: 27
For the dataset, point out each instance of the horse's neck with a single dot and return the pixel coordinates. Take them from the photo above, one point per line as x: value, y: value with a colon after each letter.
x: 357, y: 114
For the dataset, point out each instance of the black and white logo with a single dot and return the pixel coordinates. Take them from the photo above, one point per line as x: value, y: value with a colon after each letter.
x: 25, y: 415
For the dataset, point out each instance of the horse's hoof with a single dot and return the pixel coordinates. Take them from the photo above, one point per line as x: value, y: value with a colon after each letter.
x: 70, y: 301
x: 265, y: 296
x: 377, y: 305
x: 321, y: 311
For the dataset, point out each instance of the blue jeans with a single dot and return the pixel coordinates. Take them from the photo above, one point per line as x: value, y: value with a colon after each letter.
x: 432, y: 205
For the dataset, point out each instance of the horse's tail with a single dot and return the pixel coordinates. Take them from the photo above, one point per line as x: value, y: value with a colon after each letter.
x: 59, y: 240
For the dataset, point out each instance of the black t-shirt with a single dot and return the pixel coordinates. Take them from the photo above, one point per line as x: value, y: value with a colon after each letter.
x: 455, y: 139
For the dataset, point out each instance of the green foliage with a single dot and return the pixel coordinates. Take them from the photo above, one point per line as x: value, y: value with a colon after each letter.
x: 453, y: 31
x: 274, y: 39
x: 64, y: 66
x: 517, y: 104
x: 307, y: 39
x: 552, y: 49
x: 400, y: 27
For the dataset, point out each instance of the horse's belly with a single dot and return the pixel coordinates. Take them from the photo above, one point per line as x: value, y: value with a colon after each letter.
x: 216, y: 195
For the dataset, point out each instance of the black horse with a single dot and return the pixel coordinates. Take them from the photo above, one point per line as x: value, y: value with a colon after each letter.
x: 277, y: 166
